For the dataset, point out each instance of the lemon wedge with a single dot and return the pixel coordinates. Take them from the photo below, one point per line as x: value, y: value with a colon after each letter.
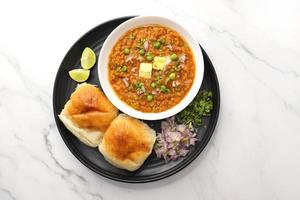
x: 79, y: 75
x: 88, y: 58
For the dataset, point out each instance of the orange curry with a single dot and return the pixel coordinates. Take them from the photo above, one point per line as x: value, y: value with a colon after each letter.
x: 151, y: 68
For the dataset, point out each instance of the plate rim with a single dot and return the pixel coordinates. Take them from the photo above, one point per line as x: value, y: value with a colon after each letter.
x: 145, y: 179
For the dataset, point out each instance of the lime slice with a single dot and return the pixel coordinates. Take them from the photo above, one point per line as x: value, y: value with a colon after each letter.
x: 79, y: 75
x: 88, y: 58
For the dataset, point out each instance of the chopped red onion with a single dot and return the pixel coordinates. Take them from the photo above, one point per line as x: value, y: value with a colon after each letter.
x: 125, y: 81
x: 175, y: 83
x: 169, y: 47
x: 129, y: 58
x: 146, y: 45
x: 134, y: 69
x: 174, y: 139
x: 182, y: 58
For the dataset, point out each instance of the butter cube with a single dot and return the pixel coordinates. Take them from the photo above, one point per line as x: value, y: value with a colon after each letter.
x: 145, y: 70
x: 160, y: 63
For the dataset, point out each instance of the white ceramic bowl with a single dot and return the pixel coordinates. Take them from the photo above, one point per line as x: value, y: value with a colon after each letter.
x: 104, y: 58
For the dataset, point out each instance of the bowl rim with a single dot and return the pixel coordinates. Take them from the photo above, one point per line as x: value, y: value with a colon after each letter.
x: 111, y: 41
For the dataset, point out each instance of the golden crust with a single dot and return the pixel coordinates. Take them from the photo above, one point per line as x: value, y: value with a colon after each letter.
x: 88, y: 114
x: 89, y: 108
x: 127, y: 142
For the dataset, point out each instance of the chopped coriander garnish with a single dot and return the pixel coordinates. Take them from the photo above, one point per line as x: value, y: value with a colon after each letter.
x: 161, y: 40
x: 177, y: 68
x: 140, y: 44
x: 200, y: 107
x: 117, y: 68
x: 139, y: 87
x: 164, y: 89
x: 158, y: 79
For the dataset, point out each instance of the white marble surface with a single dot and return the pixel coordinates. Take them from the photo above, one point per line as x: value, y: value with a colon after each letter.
x: 255, y: 151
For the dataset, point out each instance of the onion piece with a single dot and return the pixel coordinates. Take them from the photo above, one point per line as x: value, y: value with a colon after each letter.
x: 146, y: 45
x: 125, y: 81
x: 175, y: 83
x: 134, y: 69
x: 174, y: 140
x: 129, y: 58
x: 182, y: 58
x: 169, y: 47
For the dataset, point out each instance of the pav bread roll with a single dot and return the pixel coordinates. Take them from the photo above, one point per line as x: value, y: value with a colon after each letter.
x: 88, y: 114
x: 127, y: 142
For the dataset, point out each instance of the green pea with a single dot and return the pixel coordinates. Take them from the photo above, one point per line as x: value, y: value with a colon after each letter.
x: 126, y: 51
x: 149, y: 58
x: 162, y: 87
x: 153, y: 85
x: 172, y: 76
x: 174, y: 57
x: 142, y: 52
x: 156, y: 44
x: 124, y: 68
x: 149, y: 97
x: 148, y: 53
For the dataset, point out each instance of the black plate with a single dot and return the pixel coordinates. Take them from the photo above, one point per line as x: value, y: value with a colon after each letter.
x: 153, y: 168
